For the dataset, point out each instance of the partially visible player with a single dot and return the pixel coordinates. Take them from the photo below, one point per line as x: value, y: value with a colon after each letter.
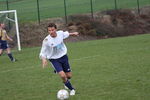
x: 3, y: 42
x: 54, y: 49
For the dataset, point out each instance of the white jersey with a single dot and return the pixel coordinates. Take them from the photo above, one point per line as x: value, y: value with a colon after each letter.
x: 54, y: 48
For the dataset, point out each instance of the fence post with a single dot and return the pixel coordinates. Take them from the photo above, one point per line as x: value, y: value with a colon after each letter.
x: 38, y: 11
x: 7, y: 3
x: 138, y: 4
x: 91, y: 2
x: 65, y: 12
x: 116, y: 4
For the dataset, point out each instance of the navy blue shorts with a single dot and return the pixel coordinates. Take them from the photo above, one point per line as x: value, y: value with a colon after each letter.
x: 3, y: 44
x: 61, y: 64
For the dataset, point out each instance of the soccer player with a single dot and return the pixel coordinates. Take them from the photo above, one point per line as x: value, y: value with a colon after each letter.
x: 54, y: 49
x: 3, y: 42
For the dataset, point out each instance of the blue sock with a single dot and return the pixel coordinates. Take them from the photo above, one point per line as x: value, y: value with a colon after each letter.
x: 10, y: 56
x: 68, y: 84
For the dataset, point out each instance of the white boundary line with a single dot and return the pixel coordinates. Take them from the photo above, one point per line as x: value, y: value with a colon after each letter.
x: 79, y: 59
x: 17, y: 69
x: 88, y: 57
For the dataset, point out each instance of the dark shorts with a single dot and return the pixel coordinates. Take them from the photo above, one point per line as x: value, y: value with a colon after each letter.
x: 3, y: 44
x: 61, y: 64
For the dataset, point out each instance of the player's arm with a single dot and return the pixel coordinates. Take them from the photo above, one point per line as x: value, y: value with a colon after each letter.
x: 10, y: 39
x: 74, y: 34
x: 43, y: 55
x: 44, y: 62
x: 66, y: 34
x: 0, y: 35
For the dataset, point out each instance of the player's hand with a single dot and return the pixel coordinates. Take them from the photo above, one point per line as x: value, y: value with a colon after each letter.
x: 44, y: 62
x: 76, y: 33
x: 11, y: 39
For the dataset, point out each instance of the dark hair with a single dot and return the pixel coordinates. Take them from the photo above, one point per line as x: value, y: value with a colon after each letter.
x: 52, y: 25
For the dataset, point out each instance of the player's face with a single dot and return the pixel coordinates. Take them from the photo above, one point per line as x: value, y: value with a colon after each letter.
x: 3, y: 25
x: 52, y: 31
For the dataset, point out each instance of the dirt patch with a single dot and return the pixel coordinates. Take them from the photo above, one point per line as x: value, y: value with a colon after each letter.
x: 106, y: 24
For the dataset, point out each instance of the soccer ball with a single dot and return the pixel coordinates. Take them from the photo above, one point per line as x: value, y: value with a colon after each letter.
x: 62, y: 94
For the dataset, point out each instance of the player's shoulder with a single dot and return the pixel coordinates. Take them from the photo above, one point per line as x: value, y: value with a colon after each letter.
x: 3, y: 30
x: 46, y: 39
x: 60, y: 31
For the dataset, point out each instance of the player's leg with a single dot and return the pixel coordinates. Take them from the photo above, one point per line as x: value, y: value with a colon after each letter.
x: 66, y: 67
x: 57, y: 65
x: 58, y: 68
x: 65, y: 80
x: 67, y: 83
x: 63, y: 76
x: 10, y: 55
x: 5, y: 46
x: 72, y: 90
x: 1, y: 51
x: 68, y: 73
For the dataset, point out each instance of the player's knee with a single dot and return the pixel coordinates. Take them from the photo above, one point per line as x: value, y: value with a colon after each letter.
x: 69, y: 77
x: 0, y: 53
x: 64, y: 78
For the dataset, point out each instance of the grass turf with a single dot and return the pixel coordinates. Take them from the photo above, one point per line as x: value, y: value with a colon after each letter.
x: 110, y: 69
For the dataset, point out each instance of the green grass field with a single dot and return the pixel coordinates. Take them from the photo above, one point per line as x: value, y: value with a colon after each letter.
x: 27, y: 9
x: 109, y: 69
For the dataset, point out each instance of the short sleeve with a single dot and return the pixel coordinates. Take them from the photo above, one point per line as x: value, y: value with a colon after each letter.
x: 43, y: 49
x: 65, y: 34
